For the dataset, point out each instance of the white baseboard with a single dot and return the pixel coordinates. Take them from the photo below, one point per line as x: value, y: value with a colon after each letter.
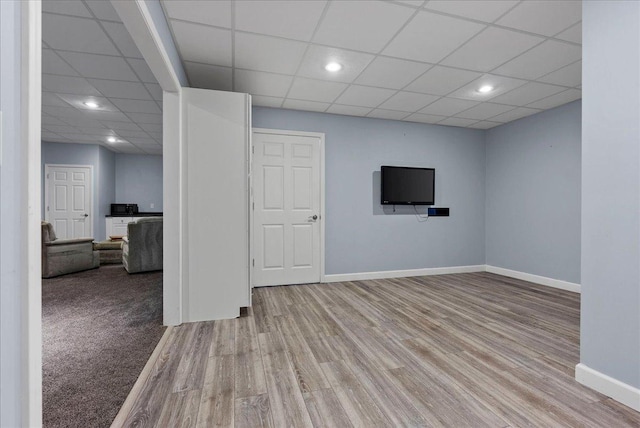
x: 542, y: 280
x: 361, y: 276
x: 619, y: 391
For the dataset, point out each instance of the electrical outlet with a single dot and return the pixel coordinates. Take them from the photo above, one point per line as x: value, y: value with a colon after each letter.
x: 152, y: 205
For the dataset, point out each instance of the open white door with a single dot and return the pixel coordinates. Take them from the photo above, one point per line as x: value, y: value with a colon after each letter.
x: 287, y: 208
x: 68, y: 200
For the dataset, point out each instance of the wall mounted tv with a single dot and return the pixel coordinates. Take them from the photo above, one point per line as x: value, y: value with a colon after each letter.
x: 407, y: 186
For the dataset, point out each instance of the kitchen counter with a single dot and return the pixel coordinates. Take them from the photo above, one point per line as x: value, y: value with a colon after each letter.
x: 147, y: 214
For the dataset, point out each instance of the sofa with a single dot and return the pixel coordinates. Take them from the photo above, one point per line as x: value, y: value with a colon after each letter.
x: 142, y: 247
x: 63, y: 256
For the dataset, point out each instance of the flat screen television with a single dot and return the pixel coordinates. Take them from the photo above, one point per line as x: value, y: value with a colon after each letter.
x: 407, y: 186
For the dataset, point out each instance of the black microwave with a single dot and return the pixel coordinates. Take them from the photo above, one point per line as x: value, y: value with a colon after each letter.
x: 124, y: 209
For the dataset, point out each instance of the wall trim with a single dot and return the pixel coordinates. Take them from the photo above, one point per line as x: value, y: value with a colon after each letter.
x: 341, y: 277
x: 619, y: 391
x: 542, y: 280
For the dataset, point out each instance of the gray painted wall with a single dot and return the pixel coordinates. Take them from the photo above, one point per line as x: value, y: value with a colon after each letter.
x: 533, y: 194
x: 139, y: 180
x: 610, y: 314
x: 11, y: 218
x: 361, y: 235
x: 106, y: 187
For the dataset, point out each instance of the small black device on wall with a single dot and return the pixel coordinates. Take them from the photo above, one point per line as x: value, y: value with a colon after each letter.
x: 124, y: 209
x: 407, y: 186
x: 438, y: 212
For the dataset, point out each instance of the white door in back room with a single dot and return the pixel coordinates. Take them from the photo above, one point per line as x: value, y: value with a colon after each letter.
x: 68, y: 200
x: 287, y: 208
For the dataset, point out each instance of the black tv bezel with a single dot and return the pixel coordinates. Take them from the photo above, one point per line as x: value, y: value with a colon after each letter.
x: 382, y: 200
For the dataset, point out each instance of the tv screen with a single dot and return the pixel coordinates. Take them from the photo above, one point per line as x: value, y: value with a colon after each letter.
x: 407, y: 186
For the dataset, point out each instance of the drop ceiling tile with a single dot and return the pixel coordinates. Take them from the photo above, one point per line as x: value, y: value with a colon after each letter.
x: 484, y: 111
x: 216, y: 13
x: 119, y: 89
x: 486, y: 11
x: 142, y: 141
x: 190, y: 40
x: 76, y: 34
x: 274, y: 17
x: 363, y: 25
x: 157, y: 152
x: 122, y: 39
x: 53, y: 64
x: 103, y: 10
x: 500, y: 84
x: 391, y: 73
x: 145, y: 118
x: 517, y: 113
x: 142, y: 70
x: 51, y: 99
x: 52, y: 138
x: 66, y: 7
x: 527, y: 94
x: 130, y: 135
x: 107, y: 115
x: 262, y: 101
x: 318, y: 56
x: 364, y: 96
x: 430, y: 37
x: 456, y: 121
x: 379, y: 113
x: 424, y: 118
x: 50, y: 120
x: 408, y: 101
x: 442, y: 80
x: 491, y: 48
x: 154, y: 89
x: 78, y: 101
x: 121, y: 126
x: 65, y: 129
x: 571, y: 75
x: 100, y: 66
x: 207, y: 76
x: 151, y: 127
x: 258, y: 83
x: 413, y: 3
x: 573, y: 34
x: 97, y: 131
x: 348, y: 110
x: 545, y: 58
x: 136, y: 106
x: 484, y: 125
x: 67, y: 85
x: 543, y: 17
x: 82, y: 122
x: 304, y: 105
x: 557, y: 99
x: 448, y: 106
x: 265, y: 53
x: 315, y: 90
x: 64, y: 112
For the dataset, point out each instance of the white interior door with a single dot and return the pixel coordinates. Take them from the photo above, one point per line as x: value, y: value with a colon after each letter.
x: 287, y: 209
x: 68, y: 200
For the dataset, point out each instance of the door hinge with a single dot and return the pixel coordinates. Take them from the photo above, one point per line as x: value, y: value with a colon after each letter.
x: 253, y: 262
x: 47, y: 207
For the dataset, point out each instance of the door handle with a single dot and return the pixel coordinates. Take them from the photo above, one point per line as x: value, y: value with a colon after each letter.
x: 85, y: 215
x: 313, y: 217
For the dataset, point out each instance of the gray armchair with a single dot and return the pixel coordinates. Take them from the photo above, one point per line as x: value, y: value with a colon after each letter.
x: 142, y: 247
x: 62, y: 256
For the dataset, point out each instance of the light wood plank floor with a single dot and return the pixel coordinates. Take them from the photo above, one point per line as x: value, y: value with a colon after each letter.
x: 477, y: 350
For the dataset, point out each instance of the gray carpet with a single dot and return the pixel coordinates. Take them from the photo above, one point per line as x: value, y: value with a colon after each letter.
x: 99, y: 329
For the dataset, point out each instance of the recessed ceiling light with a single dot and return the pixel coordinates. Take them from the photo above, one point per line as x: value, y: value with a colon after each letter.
x: 333, y: 67
x: 112, y: 139
x: 91, y: 104
x: 485, y: 89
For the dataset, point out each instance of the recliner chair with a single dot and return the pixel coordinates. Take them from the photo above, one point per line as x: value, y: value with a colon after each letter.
x: 62, y: 256
x: 142, y: 247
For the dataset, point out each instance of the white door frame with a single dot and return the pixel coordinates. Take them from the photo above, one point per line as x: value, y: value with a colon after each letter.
x: 47, y: 194
x: 319, y: 135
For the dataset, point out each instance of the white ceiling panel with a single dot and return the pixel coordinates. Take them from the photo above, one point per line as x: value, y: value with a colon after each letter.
x: 83, y: 122
x: 122, y: 39
x: 318, y: 56
x: 543, y: 17
x: 499, y: 83
x: 150, y: 127
x: 78, y: 101
x: 217, y: 13
x: 120, y: 89
x: 544, y: 58
x: 457, y: 121
x: 364, y: 96
x: 304, y: 105
x: 484, y: 125
x: 527, y: 94
x: 571, y: 75
x: 61, y: 32
x: 50, y: 120
x: 262, y: 101
x: 207, y: 76
x: 258, y: 83
x: 142, y: 70
x: 121, y: 126
x: 315, y: 90
x: 391, y: 73
x: 442, y: 80
x: 448, y: 106
x: 379, y: 113
x: 412, y: 3
x: 107, y: 115
x: 424, y: 118
x: 557, y: 99
x: 430, y: 37
x: 191, y: 38
x: 100, y: 66
x: 484, y: 111
x: 66, y: 7
x: 487, y: 11
x: 515, y: 114
x: 376, y: 22
x: 53, y: 64
x: 136, y: 106
x: 145, y: 118
x: 51, y: 99
x: 65, y: 129
x: 68, y: 85
x: 408, y: 101
x: 274, y: 17
x: 102, y: 10
x: 491, y: 48
x: 573, y: 34
x: 265, y: 53
x: 154, y: 89
x: 348, y: 110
